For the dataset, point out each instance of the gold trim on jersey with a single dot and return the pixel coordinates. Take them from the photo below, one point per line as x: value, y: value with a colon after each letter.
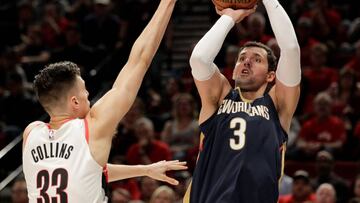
x: 243, y: 98
x: 186, y: 198
x: 282, y: 162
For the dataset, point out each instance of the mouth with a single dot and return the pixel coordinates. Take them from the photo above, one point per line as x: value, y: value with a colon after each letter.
x: 245, y: 72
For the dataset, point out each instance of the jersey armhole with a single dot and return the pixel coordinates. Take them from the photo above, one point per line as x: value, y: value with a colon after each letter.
x: 106, y: 173
x: 86, y: 130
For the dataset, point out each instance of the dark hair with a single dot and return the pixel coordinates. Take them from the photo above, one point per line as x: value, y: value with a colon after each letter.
x: 272, y: 61
x: 52, y: 82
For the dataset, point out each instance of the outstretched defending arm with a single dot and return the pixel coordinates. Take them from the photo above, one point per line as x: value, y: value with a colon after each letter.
x: 106, y: 113
x: 288, y: 75
x: 156, y: 171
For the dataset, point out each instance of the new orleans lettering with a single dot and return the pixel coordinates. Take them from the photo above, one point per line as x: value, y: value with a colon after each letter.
x: 229, y: 106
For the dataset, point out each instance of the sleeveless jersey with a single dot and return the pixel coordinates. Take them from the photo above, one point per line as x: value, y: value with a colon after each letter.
x: 59, y: 167
x: 242, y: 153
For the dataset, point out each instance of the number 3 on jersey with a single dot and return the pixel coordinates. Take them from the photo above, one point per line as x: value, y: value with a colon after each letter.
x: 239, y: 126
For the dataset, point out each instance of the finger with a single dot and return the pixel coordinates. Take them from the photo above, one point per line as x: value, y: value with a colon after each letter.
x: 218, y: 11
x: 176, y: 167
x: 251, y: 10
x: 254, y: 8
x: 172, y: 161
x: 179, y: 163
x: 175, y: 162
x: 171, y: 181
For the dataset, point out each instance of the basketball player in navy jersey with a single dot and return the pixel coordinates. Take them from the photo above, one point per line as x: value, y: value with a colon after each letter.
x: 244, y: 129
x: 63, y: 160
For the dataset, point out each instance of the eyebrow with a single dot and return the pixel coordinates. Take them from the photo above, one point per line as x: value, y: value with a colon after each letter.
x: 256, y: 54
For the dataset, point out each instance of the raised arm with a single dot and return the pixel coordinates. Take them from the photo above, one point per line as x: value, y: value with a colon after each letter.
x: 288, y: 75
x: 107, y: 112
x: 211, y: 84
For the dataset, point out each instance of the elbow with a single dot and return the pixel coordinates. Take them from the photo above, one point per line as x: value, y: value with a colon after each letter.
x: 198, y: 59
x: 140, y: 53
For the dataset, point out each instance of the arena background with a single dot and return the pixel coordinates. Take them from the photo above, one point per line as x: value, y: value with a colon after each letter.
x: 98, y: 35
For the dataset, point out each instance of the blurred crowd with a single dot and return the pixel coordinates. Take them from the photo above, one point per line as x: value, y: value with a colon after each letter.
x: 162, y: 123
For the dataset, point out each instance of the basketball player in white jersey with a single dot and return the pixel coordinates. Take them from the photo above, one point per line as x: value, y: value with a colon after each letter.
x: 63, y: 160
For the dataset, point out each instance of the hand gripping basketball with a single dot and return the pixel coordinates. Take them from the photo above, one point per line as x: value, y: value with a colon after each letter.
x: 234, y: 4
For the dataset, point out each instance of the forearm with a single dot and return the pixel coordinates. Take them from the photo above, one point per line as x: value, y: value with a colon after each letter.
x: 119, y: 172
x: 204, y: 53
x: 281, y: 25
x: 289, y: 71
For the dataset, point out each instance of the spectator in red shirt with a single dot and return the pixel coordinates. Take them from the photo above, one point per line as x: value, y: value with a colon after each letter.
x: 147, y: 150
x: 318, y: 75
x: 323, y: 131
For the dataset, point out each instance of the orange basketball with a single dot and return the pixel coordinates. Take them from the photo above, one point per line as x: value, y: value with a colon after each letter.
x: 234, y: 4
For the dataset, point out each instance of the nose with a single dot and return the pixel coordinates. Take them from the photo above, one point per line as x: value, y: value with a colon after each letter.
x: 247, y: 62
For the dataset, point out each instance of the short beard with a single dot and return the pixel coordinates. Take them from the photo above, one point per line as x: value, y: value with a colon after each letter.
x: 244, y: 86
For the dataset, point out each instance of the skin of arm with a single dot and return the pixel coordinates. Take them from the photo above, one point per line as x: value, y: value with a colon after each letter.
x: 107, y: 112
x: 156, y: 171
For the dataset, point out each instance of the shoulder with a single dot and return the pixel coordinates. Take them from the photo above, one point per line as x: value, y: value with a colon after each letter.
x: 30, y: 127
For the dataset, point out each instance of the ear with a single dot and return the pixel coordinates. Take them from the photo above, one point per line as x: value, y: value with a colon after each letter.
x: 74, y: 103
x: 270, y: 76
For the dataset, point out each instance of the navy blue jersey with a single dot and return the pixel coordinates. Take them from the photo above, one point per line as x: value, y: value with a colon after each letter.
x: 241, y: 158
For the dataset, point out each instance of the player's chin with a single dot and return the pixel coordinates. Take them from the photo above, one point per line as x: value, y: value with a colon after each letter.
x: 242, y: 80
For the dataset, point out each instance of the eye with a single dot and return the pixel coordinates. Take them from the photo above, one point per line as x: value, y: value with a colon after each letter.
x: 241, y: 59
x: 258, y: 60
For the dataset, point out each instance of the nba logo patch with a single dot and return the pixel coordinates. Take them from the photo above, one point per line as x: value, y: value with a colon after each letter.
x: 51, y: 134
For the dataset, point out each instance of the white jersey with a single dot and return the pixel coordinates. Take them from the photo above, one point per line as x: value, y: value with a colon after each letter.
x: 59, y: 167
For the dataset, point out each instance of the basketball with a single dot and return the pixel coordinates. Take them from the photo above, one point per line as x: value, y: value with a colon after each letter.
x: 234, y: 4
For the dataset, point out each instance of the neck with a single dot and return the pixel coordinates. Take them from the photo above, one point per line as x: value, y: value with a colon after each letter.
x: 252, y: 95
x: 56, y: 121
